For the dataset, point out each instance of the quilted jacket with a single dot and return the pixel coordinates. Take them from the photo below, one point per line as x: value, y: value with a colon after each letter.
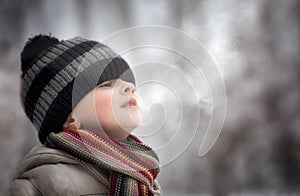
x: 45, y: 171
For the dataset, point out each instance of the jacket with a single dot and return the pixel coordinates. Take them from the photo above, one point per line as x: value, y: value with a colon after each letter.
x: 45, y: 171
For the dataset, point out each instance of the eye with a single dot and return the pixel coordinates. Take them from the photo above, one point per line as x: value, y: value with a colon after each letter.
x: 107, y: 84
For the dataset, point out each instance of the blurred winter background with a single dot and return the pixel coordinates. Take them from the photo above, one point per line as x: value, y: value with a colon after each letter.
x: 256, y: 47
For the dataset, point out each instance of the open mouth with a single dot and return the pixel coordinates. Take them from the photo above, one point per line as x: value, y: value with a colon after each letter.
x: 131, y: 102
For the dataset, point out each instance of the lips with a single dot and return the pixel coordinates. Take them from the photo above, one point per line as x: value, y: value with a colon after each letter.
x: 131, y: 102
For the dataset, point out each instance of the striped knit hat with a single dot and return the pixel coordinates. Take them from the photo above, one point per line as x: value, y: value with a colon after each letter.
x: 56, y: 75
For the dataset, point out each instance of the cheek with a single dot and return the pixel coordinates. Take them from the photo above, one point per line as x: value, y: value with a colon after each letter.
x: 103, y: 104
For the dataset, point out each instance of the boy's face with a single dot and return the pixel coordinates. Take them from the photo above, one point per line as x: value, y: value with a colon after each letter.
x: 113, y: 106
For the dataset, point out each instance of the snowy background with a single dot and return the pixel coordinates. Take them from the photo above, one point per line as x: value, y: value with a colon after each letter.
x: 202, y: 66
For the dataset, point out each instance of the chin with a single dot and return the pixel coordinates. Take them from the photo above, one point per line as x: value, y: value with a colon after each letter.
x: 136, y: 117
x: 129, y: 120
x: 130, y: 124
x: 129, y: 127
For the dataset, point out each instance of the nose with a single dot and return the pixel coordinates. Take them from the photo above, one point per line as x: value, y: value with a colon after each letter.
x: 127, y: 88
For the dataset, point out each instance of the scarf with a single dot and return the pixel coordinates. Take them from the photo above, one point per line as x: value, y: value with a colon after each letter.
x: 126, y: 167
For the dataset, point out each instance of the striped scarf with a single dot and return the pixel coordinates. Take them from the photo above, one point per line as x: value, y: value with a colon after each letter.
x: 126, y: 167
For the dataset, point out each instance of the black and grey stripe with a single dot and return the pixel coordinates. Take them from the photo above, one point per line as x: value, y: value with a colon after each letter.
x: 44, y: 60
x: 48, y: 71
x: 49, y: 92
x: 62, y: 78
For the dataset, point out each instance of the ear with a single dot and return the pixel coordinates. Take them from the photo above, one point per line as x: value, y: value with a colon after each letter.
x: 71, y: 123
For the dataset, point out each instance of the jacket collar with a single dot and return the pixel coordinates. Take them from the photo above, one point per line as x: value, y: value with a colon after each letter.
x: 40, y: 155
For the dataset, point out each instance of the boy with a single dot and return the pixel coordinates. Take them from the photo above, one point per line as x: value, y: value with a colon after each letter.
x: 80, y: 95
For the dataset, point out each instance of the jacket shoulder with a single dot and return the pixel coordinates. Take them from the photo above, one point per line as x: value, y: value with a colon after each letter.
x: 23, y: 187
x: 50, y: 171
x: 40, y: 155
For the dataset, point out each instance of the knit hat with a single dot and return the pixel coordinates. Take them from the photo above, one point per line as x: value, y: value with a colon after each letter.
x: 56, y: 75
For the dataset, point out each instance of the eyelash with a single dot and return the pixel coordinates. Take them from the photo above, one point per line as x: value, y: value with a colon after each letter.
x: 107, y: 84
